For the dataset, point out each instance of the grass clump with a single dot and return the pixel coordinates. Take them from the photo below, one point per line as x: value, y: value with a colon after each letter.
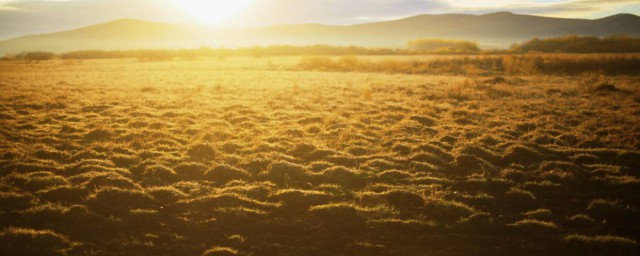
x: 398, y: 199
x: 116, y: 201
x: 166, y: 195
x: 201, y: 152
x: 24, y: 241
x: 220, y: 251
x: 346, y: 177
x: 285, y: 173
x: 600, y: 245
x: 447, y: 212
x: 14, y: 201
x: 532, y: 227
x: 222, y: 174
x: 190, y: 170
x: 337, y: 214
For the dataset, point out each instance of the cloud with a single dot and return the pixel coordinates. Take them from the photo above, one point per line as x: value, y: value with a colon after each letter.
x: 559, y: 8
x: 334, y: 11
x: 43, y: 16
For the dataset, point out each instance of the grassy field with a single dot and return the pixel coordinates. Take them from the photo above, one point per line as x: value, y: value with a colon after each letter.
x: 265, y: 156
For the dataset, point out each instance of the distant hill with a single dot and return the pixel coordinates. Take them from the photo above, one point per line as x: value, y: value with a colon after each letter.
x: 499, y: 29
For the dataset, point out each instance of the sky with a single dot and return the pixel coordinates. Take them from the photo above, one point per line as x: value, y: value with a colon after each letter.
x: 22, y: 17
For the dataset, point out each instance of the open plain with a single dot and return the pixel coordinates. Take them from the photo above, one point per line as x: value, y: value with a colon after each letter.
x: 256, y: 156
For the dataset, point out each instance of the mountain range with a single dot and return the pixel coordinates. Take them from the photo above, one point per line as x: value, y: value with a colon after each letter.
x: 494, y: 30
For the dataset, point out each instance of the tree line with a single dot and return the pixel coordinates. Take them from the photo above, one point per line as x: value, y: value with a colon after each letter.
x: 566, y: 44
x: 580, y: 44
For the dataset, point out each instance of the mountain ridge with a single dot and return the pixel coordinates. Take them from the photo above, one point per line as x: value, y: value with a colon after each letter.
x: 498, y: 29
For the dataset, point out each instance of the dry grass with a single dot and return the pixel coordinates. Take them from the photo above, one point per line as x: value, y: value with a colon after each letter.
x: 474, y: 65
x: 250, y: 157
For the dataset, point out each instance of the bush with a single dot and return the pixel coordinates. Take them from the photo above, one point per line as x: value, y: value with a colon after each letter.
x: 441, y: 46
x: 35, y: 56
x: 529, y: 64
x: 580, y: 44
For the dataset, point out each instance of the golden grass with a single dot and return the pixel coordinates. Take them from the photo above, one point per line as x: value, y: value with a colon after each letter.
x: 474, y: 65
x: 254, y: 157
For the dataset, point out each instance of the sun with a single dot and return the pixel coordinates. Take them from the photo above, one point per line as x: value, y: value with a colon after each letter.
x: 212, y: 12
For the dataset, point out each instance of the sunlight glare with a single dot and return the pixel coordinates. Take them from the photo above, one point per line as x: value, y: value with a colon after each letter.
x: 212, y: 12
x: 474, y: 4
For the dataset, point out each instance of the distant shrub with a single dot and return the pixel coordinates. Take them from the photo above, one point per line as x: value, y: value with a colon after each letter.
x: 222, y: 53
x: 8, y: 57
x: 156, y: 55
x: 580, y: 44
x: 92, y: 54
x: 529, y: 64
x: 441, y: 46
x: 35, y: 56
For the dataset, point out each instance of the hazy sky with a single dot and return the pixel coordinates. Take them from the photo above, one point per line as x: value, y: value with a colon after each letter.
x: 20, y: 17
